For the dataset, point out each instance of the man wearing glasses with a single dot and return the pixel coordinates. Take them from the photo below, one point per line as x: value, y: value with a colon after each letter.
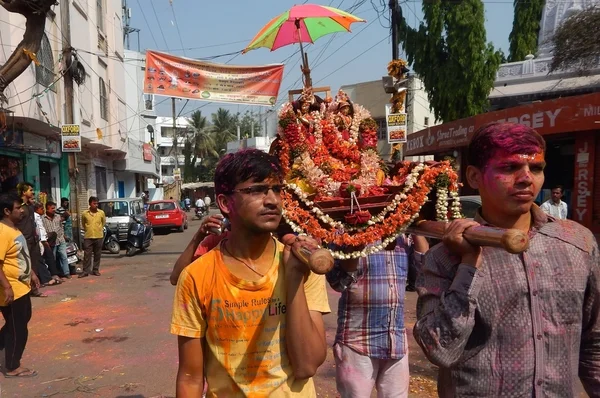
x: 248, y: 314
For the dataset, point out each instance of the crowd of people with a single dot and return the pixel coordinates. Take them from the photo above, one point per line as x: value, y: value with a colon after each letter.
x: 249, y: 315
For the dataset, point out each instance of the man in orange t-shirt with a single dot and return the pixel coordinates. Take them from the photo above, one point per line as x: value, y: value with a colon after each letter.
x: 248, y: 314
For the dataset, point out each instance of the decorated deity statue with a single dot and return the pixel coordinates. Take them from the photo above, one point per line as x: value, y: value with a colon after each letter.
x: 303, y: 111
x: 343, y: 118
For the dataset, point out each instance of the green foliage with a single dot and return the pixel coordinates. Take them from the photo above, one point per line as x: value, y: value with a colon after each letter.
x: 526, y: 27
x: 577, y: 42
x: 246, y: 123
x: 451, y: 57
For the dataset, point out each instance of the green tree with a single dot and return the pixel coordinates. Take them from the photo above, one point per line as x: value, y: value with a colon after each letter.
x: 200, y: 143
x: 577, y: 42
x: 451, y: 57
x: 526, y: 26
x: 224, y: 130
x: 250, y: 124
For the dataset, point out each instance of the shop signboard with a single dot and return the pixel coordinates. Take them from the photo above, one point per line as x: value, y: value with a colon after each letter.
x: 181, y: 77
x: 582, y: 200
x: 147, y: 149
x: 396, y: 125
x: 562, y: 115
x: 71, y: 137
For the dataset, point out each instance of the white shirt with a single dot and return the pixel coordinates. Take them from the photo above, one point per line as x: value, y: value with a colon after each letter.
x: 39, y: 225
x: 199, y: 203
x: 558, y: 211
x: 207, y: 200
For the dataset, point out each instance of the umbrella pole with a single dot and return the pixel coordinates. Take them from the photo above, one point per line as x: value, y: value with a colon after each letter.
x: 305, y: 69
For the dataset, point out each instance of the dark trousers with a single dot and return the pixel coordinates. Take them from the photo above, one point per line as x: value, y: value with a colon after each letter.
x: 14, y: 333
x: 92, y: 247
x: 50, y: 261
x: 37, y: 263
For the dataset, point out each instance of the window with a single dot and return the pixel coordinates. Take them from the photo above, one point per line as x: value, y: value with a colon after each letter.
x: 426, y: 121
x: 100, y: 14
x: 44, y: 72
x: 103, y: 100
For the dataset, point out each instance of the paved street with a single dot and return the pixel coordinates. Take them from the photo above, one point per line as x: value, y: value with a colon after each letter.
x: 109, y: 336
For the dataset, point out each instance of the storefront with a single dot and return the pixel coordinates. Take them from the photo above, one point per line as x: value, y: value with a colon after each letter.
x: 570, y: 126
x: 34, y: 158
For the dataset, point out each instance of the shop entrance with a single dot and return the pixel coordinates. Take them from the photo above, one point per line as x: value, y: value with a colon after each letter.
x: 560, y: 169
x: 11, y: 173
x: 50, y: 180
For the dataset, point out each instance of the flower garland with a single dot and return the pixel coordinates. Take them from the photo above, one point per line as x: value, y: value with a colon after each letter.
x: 407, y: 208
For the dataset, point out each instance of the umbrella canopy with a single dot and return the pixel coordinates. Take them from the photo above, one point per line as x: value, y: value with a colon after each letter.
x: 314, y: 21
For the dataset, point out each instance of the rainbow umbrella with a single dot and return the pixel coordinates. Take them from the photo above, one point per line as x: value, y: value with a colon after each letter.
x: 302, y: 24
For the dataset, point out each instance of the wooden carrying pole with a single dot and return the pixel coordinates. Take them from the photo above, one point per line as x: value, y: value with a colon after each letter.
x: 320, y: 261
x: 512, y: 240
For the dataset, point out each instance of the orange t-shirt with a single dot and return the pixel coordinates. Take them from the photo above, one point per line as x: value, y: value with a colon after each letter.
x: 244, y: 324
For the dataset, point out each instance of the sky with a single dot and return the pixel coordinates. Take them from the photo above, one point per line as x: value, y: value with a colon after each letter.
x: 203, y: 28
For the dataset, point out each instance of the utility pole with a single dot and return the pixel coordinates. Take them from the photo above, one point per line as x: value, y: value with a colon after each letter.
x: 396, y: 14
x: 127, y: 29
x: 175, y: 144
x: 67, y: 50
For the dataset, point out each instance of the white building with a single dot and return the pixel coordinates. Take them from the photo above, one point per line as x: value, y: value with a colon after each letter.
x: 141, y: 167
x: 522, y: 82
x: 38, y: 100
x: 373, y: 97
x: 171, y: 156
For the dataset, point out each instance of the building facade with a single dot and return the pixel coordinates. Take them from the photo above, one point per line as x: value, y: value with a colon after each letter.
x: 171, y: 155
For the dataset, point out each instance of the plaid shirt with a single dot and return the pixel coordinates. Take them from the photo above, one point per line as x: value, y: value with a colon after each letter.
x: 520, y: 325
x: 54, y: 225
x: 371, y: 309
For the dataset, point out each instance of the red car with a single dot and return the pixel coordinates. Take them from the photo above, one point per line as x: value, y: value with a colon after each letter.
x: 167, y: 214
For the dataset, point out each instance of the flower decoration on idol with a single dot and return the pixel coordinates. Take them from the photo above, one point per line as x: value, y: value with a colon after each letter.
x: 337, y: 186
x: 398, y: 69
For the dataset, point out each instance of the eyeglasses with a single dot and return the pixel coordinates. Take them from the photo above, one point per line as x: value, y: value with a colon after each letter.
x: 259, y: 190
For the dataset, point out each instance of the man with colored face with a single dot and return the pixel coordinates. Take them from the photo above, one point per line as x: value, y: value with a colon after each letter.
x: 248, y: 314
x: 501, y: 324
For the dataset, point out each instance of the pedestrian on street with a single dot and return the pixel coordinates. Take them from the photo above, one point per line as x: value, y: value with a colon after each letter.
x: 16, y: 280
x: 53, y: 224
x: 207, y: 201
x: 48, y: 262
x: 554, y: 206
x: 248, y: 314
x: 511, y: 325
x: 371, y: 347
x: 28, y: 228
x: 63, y: 212
x: 92, y: 222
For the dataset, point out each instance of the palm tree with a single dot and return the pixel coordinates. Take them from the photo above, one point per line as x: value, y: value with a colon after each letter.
x: 203, y: 141
x: 224, y: 130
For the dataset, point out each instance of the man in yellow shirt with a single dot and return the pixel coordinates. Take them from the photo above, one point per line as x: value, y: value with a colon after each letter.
x: 16, y: 280
x: 92, y: 222
x: 248, y: 314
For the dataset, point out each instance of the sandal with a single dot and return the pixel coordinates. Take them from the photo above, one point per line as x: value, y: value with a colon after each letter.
x: 37, y: 293
x: 53, y: 282
x: 23, y: 373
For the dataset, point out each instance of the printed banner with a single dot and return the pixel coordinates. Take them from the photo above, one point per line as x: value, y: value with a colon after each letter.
x: 71, y: 137
x: 396, y: 125
x: 173, y: 76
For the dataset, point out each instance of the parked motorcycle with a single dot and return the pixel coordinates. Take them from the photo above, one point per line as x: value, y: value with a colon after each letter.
x: 111, y: 243
x: 139, y: 236
x: 73, y: 258
x: 201, y: 212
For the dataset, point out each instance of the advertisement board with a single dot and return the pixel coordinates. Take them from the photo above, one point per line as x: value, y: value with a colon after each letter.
x: 70, y: 137
x: 396, y: 125
x: 181, y: 77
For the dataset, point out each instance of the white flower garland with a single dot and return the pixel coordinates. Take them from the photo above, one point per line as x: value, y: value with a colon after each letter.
x: 441, y: 205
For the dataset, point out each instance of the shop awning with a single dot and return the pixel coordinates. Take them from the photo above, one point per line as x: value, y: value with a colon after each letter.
x: 36, y: 126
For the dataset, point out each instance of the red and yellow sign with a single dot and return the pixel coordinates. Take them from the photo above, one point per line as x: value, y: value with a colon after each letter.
x: 173, y: 76
x: 561, y: 115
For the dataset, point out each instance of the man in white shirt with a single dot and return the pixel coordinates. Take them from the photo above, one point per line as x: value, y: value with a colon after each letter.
x: 207, y: 201
x: 200, y: 203
x: 555, y: 207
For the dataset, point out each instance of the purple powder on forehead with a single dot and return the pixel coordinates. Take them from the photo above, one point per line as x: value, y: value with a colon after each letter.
x: 244, y: 165
x: 510, y: 138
